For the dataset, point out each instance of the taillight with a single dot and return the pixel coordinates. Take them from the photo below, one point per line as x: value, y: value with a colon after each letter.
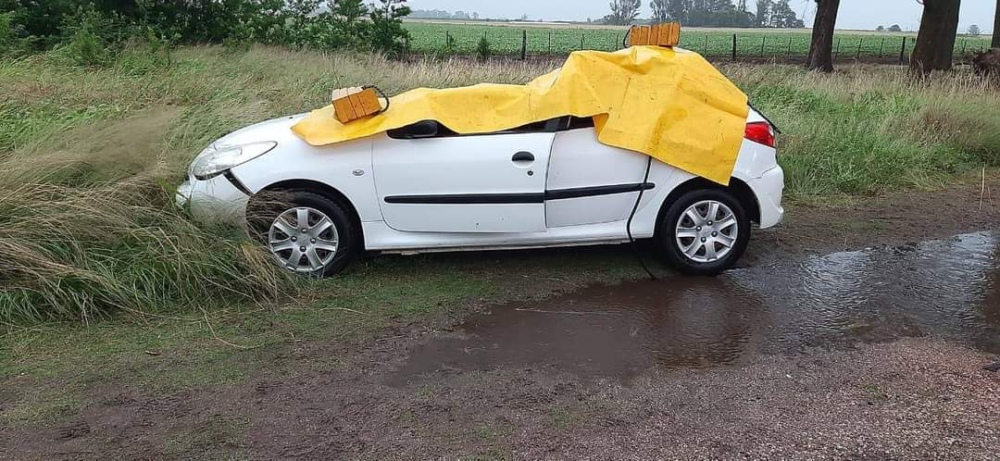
x: 760, y: 133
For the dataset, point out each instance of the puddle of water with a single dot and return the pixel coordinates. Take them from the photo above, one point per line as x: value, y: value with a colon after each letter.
x: 948, y: 289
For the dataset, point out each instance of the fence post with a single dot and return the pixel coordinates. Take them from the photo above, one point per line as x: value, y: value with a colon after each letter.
x: 524, y: 44
x: 550, y: 42
x: 789, y: 52
x: 836, y: 55
x: 706, y: 45
x: 734, y: 47
x: 582, y: 38
x: 861, y: 41
x: 902, y: 52
x: 963, y: 47
x: 763, y: 42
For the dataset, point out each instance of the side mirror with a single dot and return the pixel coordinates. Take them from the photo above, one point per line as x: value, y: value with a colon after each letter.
x: 419, y: 130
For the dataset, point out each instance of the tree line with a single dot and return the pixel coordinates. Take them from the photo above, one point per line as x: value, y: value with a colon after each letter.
x: 442, y: 14
x: 105, y: 24
x: 709, y: 13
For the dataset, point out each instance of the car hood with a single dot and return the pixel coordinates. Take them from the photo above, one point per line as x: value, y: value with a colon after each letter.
x: 271, y: 130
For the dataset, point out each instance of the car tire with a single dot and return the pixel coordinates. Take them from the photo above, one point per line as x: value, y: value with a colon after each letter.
x: 695, y: 243
x: 274, y: 219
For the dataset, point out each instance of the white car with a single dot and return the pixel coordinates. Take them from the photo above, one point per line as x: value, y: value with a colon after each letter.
x: 425, y: 189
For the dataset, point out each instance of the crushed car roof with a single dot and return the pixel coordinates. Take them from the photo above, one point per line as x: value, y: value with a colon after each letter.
x: 668, y: 103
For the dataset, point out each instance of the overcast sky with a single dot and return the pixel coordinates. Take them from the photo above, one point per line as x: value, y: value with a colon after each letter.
x: 854, y: 14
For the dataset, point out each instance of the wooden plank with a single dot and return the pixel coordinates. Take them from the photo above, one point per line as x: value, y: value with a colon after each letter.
x: 640, y: 35
x: 344, y: 110
x: 370, y: 101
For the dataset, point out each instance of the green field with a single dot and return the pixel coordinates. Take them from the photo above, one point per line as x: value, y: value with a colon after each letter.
x: 430, y: 37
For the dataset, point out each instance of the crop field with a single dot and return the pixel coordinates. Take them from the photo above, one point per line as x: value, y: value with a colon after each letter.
x: 506, y: 38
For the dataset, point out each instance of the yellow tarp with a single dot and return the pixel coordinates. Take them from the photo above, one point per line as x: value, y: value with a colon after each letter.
x: 670, y: 104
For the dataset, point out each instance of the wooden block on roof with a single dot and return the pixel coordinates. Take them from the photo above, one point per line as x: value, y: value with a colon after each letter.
x: 668, y: 34
x: 639, y: 36
x: 369, y: 101
x: 350, y: 104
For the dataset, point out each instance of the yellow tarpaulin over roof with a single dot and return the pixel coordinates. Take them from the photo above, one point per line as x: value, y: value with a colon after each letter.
x: 668, y: 103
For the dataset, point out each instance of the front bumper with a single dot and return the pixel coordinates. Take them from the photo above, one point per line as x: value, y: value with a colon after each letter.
x: 769, y: 189
x: 215, y: 200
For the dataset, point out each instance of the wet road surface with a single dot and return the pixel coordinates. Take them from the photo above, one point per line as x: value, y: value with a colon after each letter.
x: 946, y: 289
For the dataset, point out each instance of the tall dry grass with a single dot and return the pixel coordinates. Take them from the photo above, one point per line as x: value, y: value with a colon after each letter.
x: 88, y: 158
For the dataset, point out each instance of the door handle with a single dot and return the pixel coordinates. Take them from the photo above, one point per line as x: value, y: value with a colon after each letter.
x: 523, y: 157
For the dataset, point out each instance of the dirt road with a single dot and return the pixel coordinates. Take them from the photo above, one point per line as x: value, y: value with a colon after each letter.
x: 856, y: 331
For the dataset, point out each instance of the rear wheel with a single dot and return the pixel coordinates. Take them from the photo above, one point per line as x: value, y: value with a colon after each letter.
x: 704, y: 232
x: 306, y: 232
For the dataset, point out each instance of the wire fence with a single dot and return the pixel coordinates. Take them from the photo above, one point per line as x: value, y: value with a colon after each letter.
x: 756, y: 45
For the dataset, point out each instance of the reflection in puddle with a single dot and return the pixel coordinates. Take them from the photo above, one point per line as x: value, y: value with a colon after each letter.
x: 948, y: 289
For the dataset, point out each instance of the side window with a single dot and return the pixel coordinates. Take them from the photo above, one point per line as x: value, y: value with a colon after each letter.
x: 537, y: 127
x: 433, y: 129
x: 579, y: 123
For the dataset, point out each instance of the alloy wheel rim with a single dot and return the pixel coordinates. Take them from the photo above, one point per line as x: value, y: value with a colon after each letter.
x: 303, y: 239
x: 707, y: 231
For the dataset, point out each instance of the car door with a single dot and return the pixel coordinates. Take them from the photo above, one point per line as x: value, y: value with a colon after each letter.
x: 431, y: 180
x: 589, y: 182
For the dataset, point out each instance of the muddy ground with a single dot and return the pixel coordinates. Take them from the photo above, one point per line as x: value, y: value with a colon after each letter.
x: 855, y: 331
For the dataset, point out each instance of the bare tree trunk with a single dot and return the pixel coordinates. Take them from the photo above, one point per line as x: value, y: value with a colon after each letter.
x: 996, y: 27
x: 945, y: 55
x: 935, y: 41
x: 821, y: 47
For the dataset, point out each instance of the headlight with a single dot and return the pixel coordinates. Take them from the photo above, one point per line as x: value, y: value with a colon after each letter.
x: 216, y: 159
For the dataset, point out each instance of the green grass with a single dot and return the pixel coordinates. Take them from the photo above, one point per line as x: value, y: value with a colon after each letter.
x: 88, y: 156
x: 871, y: 129
x: 430, y: 37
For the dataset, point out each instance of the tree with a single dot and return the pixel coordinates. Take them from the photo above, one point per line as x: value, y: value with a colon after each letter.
x: 974, y: 30
x: 996, y: 27
x: 784, y: 17
x: 895, y: 28
x: 880, y: 29
x: 671, y: 10
x: 388, y: 34
x: 821, y: 46
x: 711, y: 13
x: 936, y: 39
x: 763, y: 13
x: 660, y: 11
x: 624, y: 12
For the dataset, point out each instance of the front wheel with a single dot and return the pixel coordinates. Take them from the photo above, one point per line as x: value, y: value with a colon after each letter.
x: 704, y: 232
x: 306, y: 232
